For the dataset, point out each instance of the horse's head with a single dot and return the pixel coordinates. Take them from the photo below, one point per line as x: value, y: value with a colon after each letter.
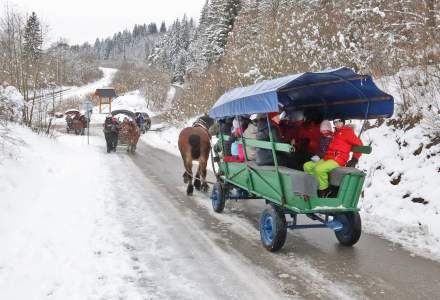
x: 207, y: 120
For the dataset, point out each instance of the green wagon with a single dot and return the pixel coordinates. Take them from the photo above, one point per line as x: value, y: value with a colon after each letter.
x: 335, y: 93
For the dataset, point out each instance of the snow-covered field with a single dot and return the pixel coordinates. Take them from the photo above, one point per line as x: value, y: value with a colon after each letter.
x: 60, y: 237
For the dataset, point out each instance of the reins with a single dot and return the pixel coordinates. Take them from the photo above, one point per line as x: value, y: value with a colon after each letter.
x: 192, y: 176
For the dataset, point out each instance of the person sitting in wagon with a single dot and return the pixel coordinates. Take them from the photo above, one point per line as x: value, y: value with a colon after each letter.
x: 251, y: 133
x: 307, y: 143
x: 303, y: 135
x: 236, y: 149
x: 264, y: 156
x: 325, y: 140
x: 337, y: 155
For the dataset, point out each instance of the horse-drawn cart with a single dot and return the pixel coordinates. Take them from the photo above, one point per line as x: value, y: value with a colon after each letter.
x: 75, y: 121
x: 338, y: 93
x: 129, y: 132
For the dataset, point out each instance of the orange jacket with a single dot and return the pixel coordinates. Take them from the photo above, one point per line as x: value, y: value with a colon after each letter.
x: 340, y: 147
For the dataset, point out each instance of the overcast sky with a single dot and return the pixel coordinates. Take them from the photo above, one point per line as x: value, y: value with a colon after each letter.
x: 85, y: 20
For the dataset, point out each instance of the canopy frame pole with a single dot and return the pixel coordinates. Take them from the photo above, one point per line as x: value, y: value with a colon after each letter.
x: 222, y: 142
x: 250, y: 182
x: 275, y: 160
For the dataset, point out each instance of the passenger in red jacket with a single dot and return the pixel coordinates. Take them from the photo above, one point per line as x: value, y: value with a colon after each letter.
x: 337, y: 155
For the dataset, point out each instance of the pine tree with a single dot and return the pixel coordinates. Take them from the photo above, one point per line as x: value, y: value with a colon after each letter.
x: 163, y: 27
x: 152, y: 28
x: 220, y: 19
x: 33, y: 40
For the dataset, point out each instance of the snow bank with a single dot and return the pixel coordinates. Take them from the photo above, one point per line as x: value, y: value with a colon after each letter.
x: 133, y: 101
x: 58, y: 231
x: 401, y: 191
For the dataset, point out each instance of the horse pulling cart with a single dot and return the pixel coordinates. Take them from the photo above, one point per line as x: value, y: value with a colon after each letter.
x: 75, y: 121
x: 129, y: 132
x: 338, y: 93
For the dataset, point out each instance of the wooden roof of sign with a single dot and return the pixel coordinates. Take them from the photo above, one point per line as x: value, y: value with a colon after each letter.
x: 106, y: 92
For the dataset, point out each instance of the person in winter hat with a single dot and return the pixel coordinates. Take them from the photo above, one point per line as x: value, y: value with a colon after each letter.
x: 326, y: 131
x: 337, y: 155
x: 251, y: 133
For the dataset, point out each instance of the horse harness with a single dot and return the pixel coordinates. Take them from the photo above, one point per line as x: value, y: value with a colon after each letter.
x: 201, y: 123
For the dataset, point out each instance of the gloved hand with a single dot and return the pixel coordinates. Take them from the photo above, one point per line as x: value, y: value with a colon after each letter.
x: 352, y: 163
x: 315, y: 158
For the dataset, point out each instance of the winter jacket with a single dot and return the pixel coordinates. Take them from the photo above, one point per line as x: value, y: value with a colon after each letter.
x: 310, y: 135
x: 289, y: 130
x: 111, y: 126
x: 250, y: 133
x: 264, y: 156
x: 340, y: 147
x: 324, y: 142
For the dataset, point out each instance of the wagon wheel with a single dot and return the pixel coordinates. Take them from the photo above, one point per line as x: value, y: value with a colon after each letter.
x: 273, y: 228
x: 351, y: 230
x: 218, y: 197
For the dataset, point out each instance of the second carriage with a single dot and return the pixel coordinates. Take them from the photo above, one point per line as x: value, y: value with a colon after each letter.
x: 75, y: 121
x: 129, y: 132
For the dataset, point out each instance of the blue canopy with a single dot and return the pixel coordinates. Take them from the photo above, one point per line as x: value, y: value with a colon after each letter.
x: 338, y: 93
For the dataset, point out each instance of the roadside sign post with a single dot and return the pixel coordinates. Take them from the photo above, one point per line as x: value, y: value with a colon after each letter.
x: 87, y: 106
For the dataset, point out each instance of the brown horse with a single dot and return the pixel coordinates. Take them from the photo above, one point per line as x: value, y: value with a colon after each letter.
x: 129, y: 135
x: 195, y: 144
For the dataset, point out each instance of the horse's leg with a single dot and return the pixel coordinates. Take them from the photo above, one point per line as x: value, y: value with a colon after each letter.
x: 202, y: 171
x: 197, y: 182
x: 188, y: 174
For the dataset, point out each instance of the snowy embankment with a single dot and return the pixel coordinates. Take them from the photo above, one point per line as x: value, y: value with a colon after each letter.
x: 401, y: 191
x: 58, y: 228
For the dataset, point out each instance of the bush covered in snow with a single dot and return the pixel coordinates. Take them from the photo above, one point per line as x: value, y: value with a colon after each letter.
x: 11, y: 102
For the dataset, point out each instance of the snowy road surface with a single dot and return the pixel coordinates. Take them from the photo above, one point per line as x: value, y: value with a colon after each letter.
x: 85, y: 224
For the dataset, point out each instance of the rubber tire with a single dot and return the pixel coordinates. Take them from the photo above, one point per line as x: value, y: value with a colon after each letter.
x: 218, y: 197
x: 351, y: 232
x: 273, y: 228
